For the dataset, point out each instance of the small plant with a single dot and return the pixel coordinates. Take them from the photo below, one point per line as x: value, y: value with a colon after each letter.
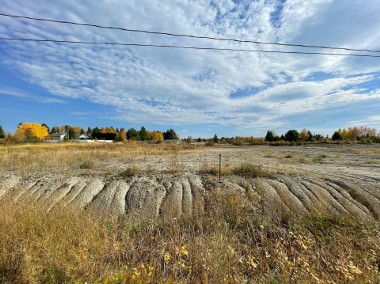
x: 176, y: 167
x: 87, y: 164
x: 250, y: 170
x: 130, y: 172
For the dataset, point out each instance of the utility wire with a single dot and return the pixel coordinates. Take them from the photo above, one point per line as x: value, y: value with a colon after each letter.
x: 187, y: 35
x: 185, y: 47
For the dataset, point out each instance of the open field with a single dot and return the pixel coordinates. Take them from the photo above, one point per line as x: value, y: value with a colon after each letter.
x: 170, y: 179
x: 279, y: 215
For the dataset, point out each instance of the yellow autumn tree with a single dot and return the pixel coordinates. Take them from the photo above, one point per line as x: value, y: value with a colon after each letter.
x: 304, y: 134
x: 31, y: 130
x: 123, y: 134
x: 155, y: 136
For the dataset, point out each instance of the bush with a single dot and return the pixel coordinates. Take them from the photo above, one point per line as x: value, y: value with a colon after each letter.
x: 130, y: 172
x: 210, y: 143
x: 250, y: 170
x: 336, y: 136
x: 292, y: 135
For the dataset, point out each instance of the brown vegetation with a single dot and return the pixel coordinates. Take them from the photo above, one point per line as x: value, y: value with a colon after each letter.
x: 229, y: 243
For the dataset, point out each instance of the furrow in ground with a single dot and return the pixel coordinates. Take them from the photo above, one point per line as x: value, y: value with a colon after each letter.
x: 60, y: 193
x: 87, y: 194
x: 102, y: 201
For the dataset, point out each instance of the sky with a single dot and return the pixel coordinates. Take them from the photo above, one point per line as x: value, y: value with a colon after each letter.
x: 198, y: 93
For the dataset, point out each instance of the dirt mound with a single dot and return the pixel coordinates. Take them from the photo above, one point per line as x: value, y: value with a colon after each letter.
x: 277, y: 197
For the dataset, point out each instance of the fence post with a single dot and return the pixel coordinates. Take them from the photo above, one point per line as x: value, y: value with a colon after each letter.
x: 220, y: 166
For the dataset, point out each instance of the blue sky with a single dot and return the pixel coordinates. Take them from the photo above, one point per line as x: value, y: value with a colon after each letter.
x: 198, y: 93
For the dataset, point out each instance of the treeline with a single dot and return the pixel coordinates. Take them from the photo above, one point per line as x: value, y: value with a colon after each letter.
x: 34, y: 132
x: 295, y: 136
x: 361, y: 134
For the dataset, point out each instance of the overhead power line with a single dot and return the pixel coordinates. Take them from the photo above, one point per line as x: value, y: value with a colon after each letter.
x: 188, y: 35
x: 185, y: 47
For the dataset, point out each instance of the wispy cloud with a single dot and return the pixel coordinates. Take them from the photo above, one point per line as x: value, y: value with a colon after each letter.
x: 182, y: 87
x: 25, y: 96
x: 12, y: 93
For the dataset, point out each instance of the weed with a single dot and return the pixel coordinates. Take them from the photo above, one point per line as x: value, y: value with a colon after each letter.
x: 87, y: 164
x: 251, y: 170
x: 176, y: 166
x: 130, y: 172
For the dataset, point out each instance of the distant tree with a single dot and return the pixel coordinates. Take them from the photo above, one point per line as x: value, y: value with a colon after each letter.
x: 2, y: 134
x: 143, y: 134
x: 318, y: 137
x: 54, y: 129
x: 336, y: 136
x: 95, y: 132
x: 119, y: 138
x: 270, y: 136
x: 189, y: 140
x: 82, y: 131
x: 155, y: 136
x: 199, y: 139
x: 310, y: 136
x: 123, y: 134
x: 215, y: 139
x: 71, y: 133
x: 132, y: 134
x: 31, y: 131
x: 292, y: 135
x: 304, y: 135
x: 47, y: 127
x: 65, y: 129
x: 89, y: 131
x: 170, y: 135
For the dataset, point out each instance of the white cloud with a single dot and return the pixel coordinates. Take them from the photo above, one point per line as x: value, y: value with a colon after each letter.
x: 25, y: 96
x: 167, y: 86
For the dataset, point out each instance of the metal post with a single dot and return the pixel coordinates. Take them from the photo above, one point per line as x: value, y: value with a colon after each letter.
x: 220, y: 166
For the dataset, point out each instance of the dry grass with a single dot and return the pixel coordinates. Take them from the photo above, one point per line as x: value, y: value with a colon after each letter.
x: 247, y: 170
x: 219, y: 246
x: 36, y: 158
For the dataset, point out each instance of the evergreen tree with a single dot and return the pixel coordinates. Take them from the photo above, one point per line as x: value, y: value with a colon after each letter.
x: 55, y: 129
x: 270, y: 136
x: 143, y: 134
x: 71, y: 133
x: 2, y: 134
x: 336, y: 136
x: 95, y: 132
x: 132, y: 134
x: 170, y: 135
x: 48, y: 129
x: 310, y: 136
x: 292, y: 135
x: 215, y: 139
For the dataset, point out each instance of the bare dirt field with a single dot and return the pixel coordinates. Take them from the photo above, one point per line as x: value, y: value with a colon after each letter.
x: 170, y: 180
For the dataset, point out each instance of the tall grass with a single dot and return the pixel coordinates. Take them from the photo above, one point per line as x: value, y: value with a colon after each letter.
x: 35, y: 158
x: 228, y: 243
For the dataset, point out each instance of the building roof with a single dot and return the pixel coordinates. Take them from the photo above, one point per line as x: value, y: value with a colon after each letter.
x: 57, y: 134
